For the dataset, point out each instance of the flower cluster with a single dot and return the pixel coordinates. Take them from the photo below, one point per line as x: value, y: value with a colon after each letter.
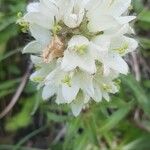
x: 78, y: 48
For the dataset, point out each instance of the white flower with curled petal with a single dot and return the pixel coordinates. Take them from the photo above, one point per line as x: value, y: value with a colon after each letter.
x: 79, y: 103
x: 78, y: 54
x: 104, y: 85
x: 42, y: 14
x: 110, y: 60
x: 117, y: 46
x: 66, y: 85
x: 42, y: 39
x: 78, y: 48
x: 105, y: 14
x: 74, y: 13
x: 46, y: 12
x: 42, y: 70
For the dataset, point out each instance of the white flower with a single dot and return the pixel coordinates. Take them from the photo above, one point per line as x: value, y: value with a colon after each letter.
x: 66, y: 85
x: 75, y: 11
x: 79, y: 54
x: 42, y: 39
x: 79, y: 103
x: 42, y: 70
x: 46, y: 12
x: 104, y: 85
x: 117, y: 46
x: 78, y: 48
x: 105, y: 14
x: 110, y: 60
x: 41, y: 14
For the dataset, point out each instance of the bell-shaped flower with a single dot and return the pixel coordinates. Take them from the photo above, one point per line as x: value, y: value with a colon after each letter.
x: 106, y: 14
x: 79, y: 54
x: 79, y: 103
x: 117, y: 46
x: 42, y: 13
x: 66, y: 85
x: 104, y: 85
x: 75, y: 11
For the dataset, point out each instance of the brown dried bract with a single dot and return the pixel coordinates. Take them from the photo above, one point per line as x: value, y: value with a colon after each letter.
x: 54, y: 50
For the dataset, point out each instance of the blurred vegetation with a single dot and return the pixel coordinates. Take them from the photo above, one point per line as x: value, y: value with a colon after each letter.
x: 31, y: 124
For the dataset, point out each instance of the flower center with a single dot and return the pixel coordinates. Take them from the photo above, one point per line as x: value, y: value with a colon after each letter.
x: 23, y: 24
x: 106, y: 87
x: 121, y: 50
x: 67, y: 80
x: 81, y: 49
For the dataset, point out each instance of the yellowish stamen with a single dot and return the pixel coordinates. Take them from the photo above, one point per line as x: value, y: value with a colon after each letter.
x: 106, y: 87
x: 67, y: 80
x: 37, y: 79
x: 24, y: 24
x: 81, y: 49
x: 121, y: 50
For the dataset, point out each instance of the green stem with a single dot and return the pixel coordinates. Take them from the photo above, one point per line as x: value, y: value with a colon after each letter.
x: 26, y: 138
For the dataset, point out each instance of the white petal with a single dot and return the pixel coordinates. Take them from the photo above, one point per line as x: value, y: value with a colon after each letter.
x: 86, y: 98
x: 102, y: 41
x: 101, y: 23
x: 106, y: 70
x: 33, y: 47
x: 60, y: 99
x: 125, y: 19
x: 93, y: 4
x: 77, y: 105
x: 33, y: 7
x: 69, y: 62
x: 85, y: 81
x: 118, y: 7
x: 40, y: 74
x: 40, y: 34
x: 36, y: 60
x: 119, y: 30
x: 97, y: 93
x: 48, y: 91
x: 106, y: 96
x: 55, y: 76
x: 117, y: 63
x: 69, y: 93
x: 72, y: 60
x: 49, y: 9
x: 133, y: 44
x: 39, y: 19
x: 78, y: 40
x: 74, y: 14
x: 120, y: 41
x: 88, y: 87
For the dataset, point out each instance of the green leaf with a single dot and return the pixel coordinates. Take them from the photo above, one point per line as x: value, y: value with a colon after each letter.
x: 144, y: 16
x: 142, y: 143
x: 6, y: 92
x: 138, y: 92
x: 137, y: 5
x: 9, y: 84
x: 8, y: 32
x: 55, y: 117
x: 22, y: 118
x: 145, y: 42
x: 91, y: 129
x: 72, y: 128
x: 116, y: 117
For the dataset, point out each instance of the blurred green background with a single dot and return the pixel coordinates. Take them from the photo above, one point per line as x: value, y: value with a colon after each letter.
x: 28, y: 123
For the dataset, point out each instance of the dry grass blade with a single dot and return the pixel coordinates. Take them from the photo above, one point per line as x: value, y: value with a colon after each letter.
x: 18, y: 93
